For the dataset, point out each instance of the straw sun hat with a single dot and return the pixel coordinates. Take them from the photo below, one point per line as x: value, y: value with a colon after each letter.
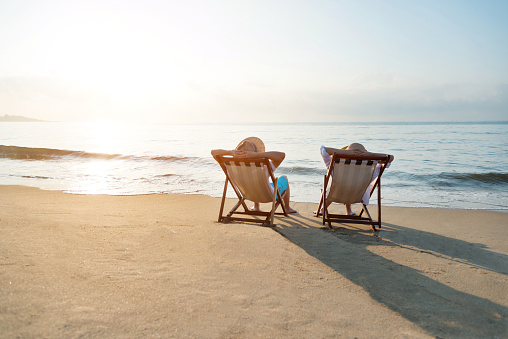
x: 354, y: 146
x: 255, y: 143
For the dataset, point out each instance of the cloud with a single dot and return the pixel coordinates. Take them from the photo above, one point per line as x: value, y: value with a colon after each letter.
x: 372, y: 80
x: 446, y: 102
x: 377, y: 97
x: 48, y: 98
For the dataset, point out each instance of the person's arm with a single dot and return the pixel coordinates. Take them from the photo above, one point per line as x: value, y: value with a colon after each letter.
x: 377, y: 155
x: 331, y: 150
x: 217, y: 152
x: 274, y: 156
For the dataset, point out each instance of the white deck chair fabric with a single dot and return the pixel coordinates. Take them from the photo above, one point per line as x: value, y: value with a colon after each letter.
x: 350, y: 180
x: 251, y: 180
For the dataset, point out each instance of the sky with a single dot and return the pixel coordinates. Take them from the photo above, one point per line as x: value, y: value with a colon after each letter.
x: 236, y: 61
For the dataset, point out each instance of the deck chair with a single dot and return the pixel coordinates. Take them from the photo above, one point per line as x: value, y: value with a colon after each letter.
x: 248, y: 178
x: 346, y: 182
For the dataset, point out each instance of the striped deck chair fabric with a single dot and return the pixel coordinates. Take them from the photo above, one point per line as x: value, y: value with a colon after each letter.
x: 350, y: 180
x: 250, y: 179
x: 347, y: 182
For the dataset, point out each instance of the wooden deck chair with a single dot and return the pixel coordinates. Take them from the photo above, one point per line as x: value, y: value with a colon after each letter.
x: 249, y: 180
x: 350, y: 177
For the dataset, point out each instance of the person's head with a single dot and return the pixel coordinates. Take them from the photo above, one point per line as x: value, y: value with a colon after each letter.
x: 251, y: 144
x: 356, y: 146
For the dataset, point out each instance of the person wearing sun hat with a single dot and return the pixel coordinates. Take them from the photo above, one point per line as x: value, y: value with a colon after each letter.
x: 253, y: 147
x: 251, y: 144
x: 355, y: 149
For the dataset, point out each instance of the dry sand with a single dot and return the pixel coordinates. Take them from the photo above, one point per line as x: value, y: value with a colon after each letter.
x: 161, y: 266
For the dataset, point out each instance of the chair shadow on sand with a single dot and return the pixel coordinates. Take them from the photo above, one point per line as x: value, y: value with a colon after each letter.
x: 438, y: 309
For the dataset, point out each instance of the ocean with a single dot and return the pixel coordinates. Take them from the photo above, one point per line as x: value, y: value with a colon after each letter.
x: 445, y: 165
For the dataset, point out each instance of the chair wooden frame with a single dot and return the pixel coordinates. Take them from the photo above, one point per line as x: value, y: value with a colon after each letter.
x: 352, y: 219
x: 276, y: 196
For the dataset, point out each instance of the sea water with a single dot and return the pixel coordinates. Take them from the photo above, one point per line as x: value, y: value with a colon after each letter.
x: 447, y: 165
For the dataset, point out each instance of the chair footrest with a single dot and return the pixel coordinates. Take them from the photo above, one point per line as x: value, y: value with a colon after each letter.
x: 350, y: 219
x: 346, y: 216
x: 255, y: 213
x: 261, y: 221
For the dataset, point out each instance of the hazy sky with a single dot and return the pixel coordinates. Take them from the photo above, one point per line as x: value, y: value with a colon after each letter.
x: 252, y: 61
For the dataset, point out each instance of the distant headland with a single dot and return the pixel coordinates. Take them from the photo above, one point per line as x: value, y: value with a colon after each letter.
x: 18, y: 118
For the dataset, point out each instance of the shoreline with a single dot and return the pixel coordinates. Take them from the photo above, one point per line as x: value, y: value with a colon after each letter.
x: 500, y: 210
x: 160, y: 265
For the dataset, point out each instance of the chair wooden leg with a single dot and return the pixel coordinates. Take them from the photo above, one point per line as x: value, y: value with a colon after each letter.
x: 372, y: 224
x: 223, y: 200
x: 325, y: 210
x: 275, y: 193
x: 238, y: 204
x: 379, y: 203
x: 323, y: 200
x: 280, y: 197
x: 320, y: 204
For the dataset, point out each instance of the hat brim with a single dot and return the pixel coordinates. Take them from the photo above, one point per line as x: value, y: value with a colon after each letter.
x: 356, y: 146
x: 260, y: 146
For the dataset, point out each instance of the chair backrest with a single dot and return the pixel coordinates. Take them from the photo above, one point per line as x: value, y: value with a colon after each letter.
x: 250, y: 177
x: 350, y: 180
x: 351, y: 177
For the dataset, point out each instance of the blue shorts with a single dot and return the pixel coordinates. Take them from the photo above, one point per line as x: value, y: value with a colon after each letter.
x: 282, y: 184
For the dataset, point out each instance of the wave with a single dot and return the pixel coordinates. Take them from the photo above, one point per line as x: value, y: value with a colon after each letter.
x: 448, y: 179
x: 165, y: 175
x: 166, y: 158
x: 30, y: 153
x: 34, y: 177
x: 485, y: 178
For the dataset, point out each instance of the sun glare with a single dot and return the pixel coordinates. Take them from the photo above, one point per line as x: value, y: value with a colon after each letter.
x: 94, y: 179
x: 114, y: 58
x: 105, y: 135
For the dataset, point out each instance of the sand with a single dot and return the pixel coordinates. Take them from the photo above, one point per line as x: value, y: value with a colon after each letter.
x: 161, y: 266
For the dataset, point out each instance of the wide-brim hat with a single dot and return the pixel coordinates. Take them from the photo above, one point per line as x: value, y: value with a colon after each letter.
x: 258, y: 143
x: 356, y: 146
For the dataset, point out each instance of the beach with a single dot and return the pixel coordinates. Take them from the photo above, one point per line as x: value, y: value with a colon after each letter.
x: 160, y: 265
